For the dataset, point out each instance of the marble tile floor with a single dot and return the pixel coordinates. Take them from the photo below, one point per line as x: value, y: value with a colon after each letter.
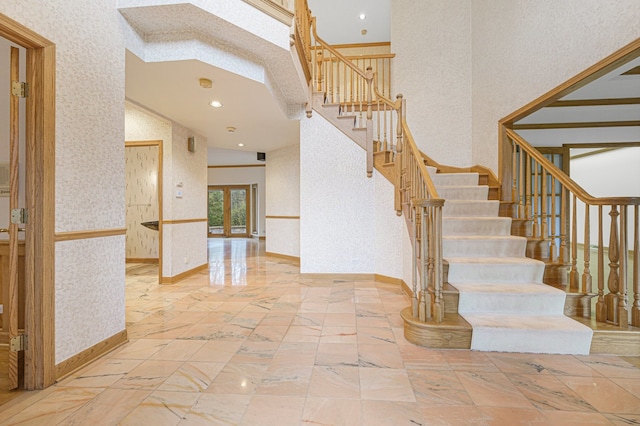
x: 252, y: 342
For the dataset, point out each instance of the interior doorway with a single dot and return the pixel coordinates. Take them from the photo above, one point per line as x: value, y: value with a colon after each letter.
x: 229, y: 211
x: 143, y: 182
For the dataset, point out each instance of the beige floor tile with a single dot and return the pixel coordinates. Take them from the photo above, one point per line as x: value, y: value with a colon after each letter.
x: 492, y: 389
x: 178, y: 350
x: 379, y: 413
x: 603, y: 394
x: 437, y: 388
x: 140, y: 349
x: 108, y: 408
x: 162, y: 408
x: 285, y: 380
x: 192, y: 377
x: 148, y: 375
x: 238, y: 379
x: 385, y: 384
x: 337, y: 354
x: 268, y: 410
x: 335, y: 382
x: 373, y: 356
x: 327, y: 411
x: 215, y: 409
x: 547, y: 392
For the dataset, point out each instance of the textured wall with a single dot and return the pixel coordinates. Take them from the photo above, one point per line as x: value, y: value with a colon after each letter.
x: 522, y: 49
x: 89, y: 166
x: 388, y: 230
x: 141, y: 170
x: 432, y: 68
x: 244, y: 176
x: 283, y: 198
x: 179, y: 167
x: 337, y: 202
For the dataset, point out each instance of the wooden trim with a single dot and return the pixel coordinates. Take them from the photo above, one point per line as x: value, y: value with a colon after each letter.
x: 363, y: 56
x: 595, y: 152
x: 602, y: 145
x: 183, y: 275
x: 178, y: 221
x: 159, y: 144
x: 347, y: 277
x: 150, y: 260
x: 282, y: 217
x: 231, y: 166
x: 77, y: 361
x: 606, y: 65
x: 39, y: 371
x: 83, y: 235
x: 358, y: 45
x: 576, y: 125
x: 632, y: 71
x: 295, y: 259
x: 595, y: 102
x: 274, y: 10
x: 387, y: 279
x: 259, y: 237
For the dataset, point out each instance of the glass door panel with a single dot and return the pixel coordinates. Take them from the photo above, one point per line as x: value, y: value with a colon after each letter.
x: 216, y: 212
x: 239, y: 211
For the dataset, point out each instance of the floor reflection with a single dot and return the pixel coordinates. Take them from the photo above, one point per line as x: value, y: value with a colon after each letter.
x: 231, y: 258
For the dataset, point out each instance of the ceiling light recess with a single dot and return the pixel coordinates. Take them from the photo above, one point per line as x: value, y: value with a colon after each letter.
x: 363, y: 16
x: 205, y: 83
x: 240, y: 144
x: 216, y: 104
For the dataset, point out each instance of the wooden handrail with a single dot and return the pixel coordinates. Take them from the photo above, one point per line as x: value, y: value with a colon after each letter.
x: 365, y: 56
x: 431, y: 189
x: 569, y: 183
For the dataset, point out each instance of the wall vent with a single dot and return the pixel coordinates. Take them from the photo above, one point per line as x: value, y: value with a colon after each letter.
x: 4, y: 179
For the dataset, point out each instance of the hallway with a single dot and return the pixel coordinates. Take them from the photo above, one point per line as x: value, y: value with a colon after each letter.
x: 252, y: 342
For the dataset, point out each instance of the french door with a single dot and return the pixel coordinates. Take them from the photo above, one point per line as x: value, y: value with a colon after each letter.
x: 229, y: 211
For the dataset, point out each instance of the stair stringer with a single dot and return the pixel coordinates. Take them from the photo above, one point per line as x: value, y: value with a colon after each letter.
x: 331, y: 113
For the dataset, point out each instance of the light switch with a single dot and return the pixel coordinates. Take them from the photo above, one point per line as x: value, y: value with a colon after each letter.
x: 179, y: 193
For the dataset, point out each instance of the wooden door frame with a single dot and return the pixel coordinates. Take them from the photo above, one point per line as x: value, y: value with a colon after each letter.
x: 227, y: 217
x: 39, y: 370
x: 158, y: 143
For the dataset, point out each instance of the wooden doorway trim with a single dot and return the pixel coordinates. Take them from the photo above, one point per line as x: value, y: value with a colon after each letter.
x: 40, y: 201
x: 158, y: 143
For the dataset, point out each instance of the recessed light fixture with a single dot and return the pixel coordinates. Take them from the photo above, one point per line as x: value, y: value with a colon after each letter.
x: 363, y: 32
x: 231, y: 129
x: 240, y: 144
x: 216, y: 104
x: 363, y: 16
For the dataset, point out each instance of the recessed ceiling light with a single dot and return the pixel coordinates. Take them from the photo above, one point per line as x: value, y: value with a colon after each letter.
x: 240, y: 144
x: 231, y: 129
x: 363, y: 16
x: 205, y: 83
x: 363, y: 32
x: 216, y: 104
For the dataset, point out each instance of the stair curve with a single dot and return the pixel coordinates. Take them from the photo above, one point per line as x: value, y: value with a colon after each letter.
x: 501, y: 293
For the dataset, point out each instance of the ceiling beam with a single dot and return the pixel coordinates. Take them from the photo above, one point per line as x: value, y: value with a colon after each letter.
x: 578, y: 125
x: 596, y: 102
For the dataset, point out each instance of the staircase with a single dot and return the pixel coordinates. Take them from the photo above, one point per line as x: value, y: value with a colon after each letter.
x: 501, y: 293
x: 488, y: 275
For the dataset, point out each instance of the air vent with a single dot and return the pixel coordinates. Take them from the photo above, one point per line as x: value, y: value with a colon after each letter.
x: 4, y: 179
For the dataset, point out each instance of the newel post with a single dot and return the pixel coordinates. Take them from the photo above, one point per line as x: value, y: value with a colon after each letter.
x: 369, y: 77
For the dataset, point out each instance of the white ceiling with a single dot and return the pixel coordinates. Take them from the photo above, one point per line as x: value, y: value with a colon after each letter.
x: 345, y: 27
x: 172, y: 89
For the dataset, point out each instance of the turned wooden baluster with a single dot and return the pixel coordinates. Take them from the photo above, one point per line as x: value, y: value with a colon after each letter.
x: 564, y: 251
x: 369, y: 138
x: 427, y: 267
x: 553, y: 249
x: 527, y: 190
x: 521, y: 196
x: 635, y: 309
x: 573, y: 275
x: 586, y: 274
x: 514, y: 187
x: 399, y: 158
x: 437, y: 236
x: 414, y: 275
x: 537, y: 217
x: 320, y: 62
x: 601, y: 307
x: 623, y: 310
x: 544, y: 214
x: 611, y: 299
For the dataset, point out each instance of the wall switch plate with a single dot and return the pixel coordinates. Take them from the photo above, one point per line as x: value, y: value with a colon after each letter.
x: 179, y: 193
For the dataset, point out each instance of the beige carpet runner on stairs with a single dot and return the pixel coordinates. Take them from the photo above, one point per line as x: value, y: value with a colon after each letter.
x: 502, y: 294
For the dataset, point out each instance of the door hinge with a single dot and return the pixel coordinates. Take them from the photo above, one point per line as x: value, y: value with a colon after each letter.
x: 20, y: 89
x: 18, y: 343
x: 19, y: 216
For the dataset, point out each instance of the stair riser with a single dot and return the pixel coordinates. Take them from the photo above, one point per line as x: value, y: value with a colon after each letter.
x: 470, y: 209
x: 509, y: 303
x: 472, y: 227
x: 463, y: 192
x: 508, y: 247
x: 496, y: 273
x: 465, y: 179
x: 531, y: 341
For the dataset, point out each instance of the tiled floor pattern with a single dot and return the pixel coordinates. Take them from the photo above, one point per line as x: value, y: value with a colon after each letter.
x: 252, y: 342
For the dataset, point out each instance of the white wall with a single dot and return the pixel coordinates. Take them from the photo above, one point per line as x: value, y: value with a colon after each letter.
x: 89, y: 274
x: 243, y: 176
x: 463, y: 65
x: 432, y: 69
x: 522, y: 49
x: 184, y: 245
x: 283, y: 198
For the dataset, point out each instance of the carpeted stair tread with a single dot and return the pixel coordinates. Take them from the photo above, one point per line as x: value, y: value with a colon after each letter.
x: 459, y: 192
x: 494, y: 269
x: 454, y: 179
x: 552, y: 334
x: 483, y: 246
x: 509, y: 298
x: 470, y: 208
x: 461, y: 226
